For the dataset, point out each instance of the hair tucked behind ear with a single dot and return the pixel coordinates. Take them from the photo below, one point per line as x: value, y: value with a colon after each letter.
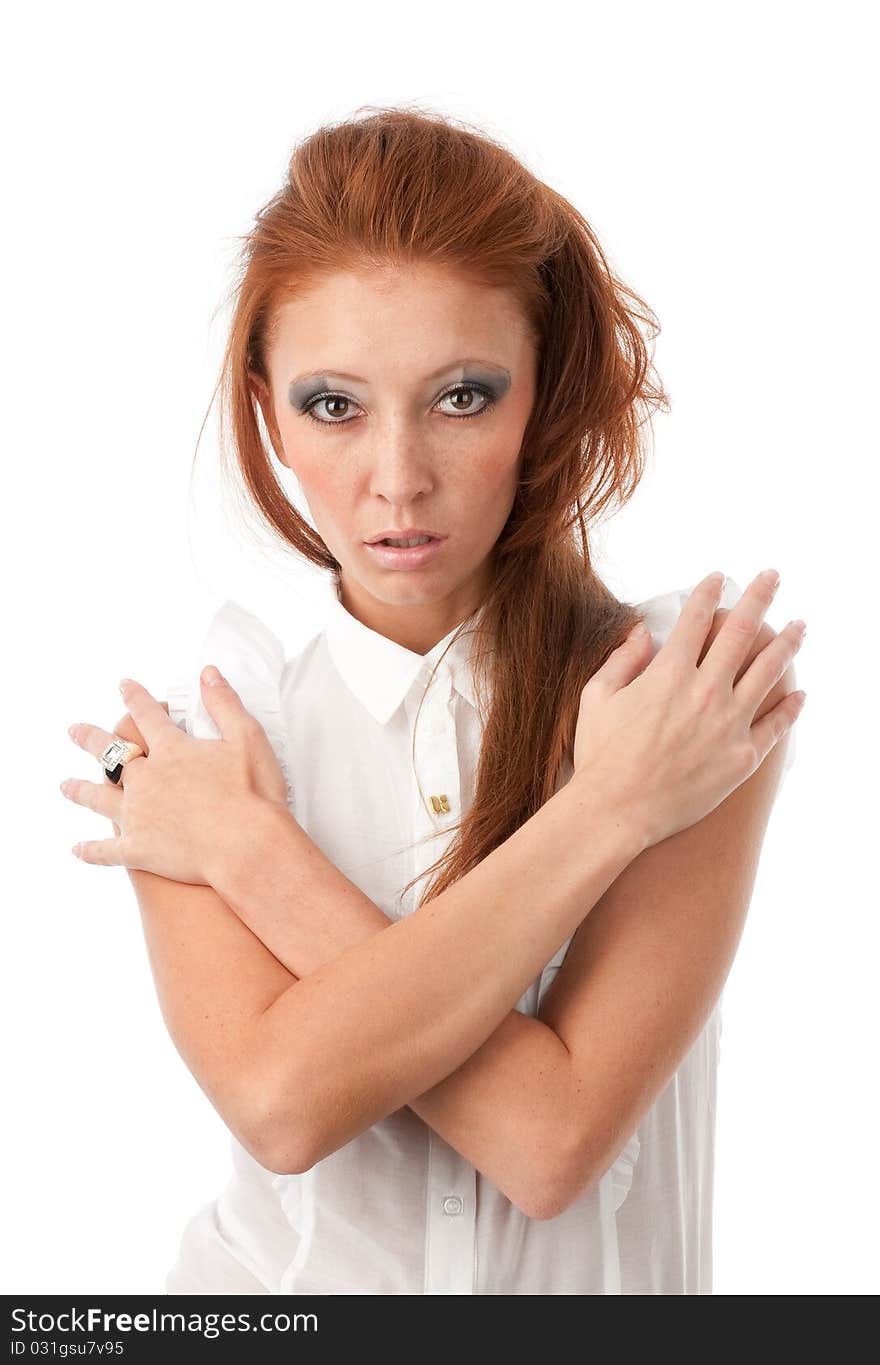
x: 392, y: 186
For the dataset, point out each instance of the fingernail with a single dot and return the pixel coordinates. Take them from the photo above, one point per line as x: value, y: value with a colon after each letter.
x: 123, y: 685
x: 211, y: 674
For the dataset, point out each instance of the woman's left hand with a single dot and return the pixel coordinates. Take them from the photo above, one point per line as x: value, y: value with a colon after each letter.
x: 180, y: 810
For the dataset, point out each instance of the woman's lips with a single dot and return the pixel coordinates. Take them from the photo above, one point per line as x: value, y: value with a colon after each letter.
x: 405, y: 557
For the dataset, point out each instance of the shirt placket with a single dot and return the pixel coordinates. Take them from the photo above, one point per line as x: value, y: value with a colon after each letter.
x: 450, y: 1214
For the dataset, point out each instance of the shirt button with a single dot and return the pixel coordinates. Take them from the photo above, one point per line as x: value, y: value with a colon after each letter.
x: 452, y: 1204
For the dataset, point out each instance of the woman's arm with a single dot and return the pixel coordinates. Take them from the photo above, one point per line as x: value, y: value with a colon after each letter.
x: 213, y: 980
x: 503, y: 1110
x: 394, y: 1014
x: 505, y: 1106
x: 294, y: 1067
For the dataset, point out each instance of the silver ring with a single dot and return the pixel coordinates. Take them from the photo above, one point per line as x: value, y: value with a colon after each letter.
x: 116, y: 755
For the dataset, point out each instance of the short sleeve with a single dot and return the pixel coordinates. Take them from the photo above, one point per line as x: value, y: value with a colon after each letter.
x: 251, y: 657
x: 662, y: 612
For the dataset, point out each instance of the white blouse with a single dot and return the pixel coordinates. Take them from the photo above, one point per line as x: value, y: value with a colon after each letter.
x: 398, y: 1210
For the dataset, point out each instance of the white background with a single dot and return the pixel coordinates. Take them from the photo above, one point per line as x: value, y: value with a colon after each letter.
x: 722, y: 155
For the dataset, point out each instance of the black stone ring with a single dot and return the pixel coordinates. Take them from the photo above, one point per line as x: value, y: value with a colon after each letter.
x: 116, y: 755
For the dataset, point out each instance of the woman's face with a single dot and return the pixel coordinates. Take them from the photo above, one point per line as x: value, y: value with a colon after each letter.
x: 399, y: 400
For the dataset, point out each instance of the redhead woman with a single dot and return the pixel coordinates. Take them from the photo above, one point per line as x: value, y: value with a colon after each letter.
x: 440, y: 908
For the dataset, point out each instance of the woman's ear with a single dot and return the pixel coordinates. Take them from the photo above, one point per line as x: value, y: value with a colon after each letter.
x: 260, y: 391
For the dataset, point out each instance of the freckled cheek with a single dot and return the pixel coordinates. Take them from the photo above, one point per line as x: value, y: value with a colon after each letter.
x: 327, y: 488
x: 494, y: 474
x: 481, y: 482
x: 482, y: 489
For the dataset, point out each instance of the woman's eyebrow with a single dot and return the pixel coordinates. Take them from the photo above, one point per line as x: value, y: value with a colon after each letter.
x: 461, y: 369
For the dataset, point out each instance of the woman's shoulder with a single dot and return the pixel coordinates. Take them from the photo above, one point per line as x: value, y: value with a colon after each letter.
x: 253, y: 659
x: 661, y: 613
x: 248, y: 652
x: 245, y: 635
x: 663, y: 610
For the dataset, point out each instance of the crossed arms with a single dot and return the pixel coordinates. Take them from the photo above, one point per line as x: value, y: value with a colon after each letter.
x: 287, y: 962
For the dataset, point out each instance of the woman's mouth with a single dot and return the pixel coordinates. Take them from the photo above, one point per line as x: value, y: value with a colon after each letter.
x: 403, y: 554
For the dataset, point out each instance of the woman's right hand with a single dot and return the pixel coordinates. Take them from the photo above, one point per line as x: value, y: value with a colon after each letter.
x: 668, y: 738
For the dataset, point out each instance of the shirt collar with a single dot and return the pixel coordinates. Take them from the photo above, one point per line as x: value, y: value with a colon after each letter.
x: 381, y: 672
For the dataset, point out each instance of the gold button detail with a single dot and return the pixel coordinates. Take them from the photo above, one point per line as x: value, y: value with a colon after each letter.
x: 440, y: 804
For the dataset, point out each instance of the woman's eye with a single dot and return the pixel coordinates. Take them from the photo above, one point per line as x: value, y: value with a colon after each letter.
x: 470, y: 390
x: 327, y: 398
x: 337, y: 404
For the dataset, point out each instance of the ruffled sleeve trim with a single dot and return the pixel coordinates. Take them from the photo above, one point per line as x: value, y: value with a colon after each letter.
x: 251, y: 658
x: 623, y: 1169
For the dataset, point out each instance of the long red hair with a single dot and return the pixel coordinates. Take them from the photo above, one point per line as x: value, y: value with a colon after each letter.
x: 395, y: 185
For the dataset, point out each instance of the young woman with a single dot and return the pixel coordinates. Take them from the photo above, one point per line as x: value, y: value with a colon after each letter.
x: 501, y: 1081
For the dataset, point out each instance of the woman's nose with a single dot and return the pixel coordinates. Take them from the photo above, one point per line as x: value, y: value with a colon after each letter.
x: 400, y: 470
